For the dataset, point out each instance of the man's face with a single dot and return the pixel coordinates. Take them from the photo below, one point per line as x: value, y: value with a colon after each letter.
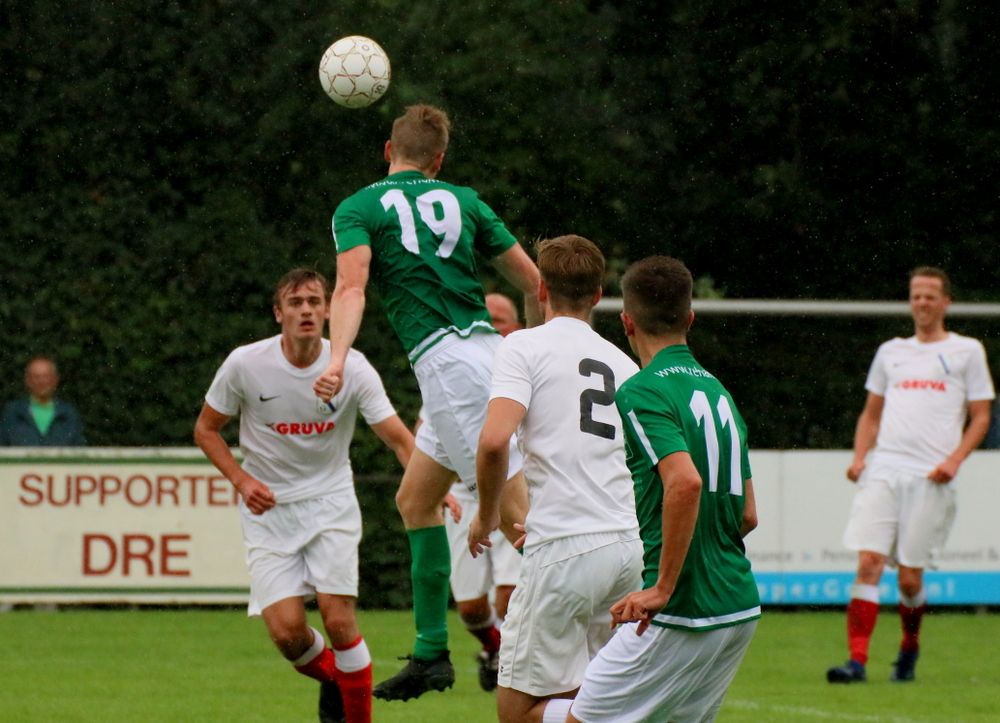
x: 41, y: 379
x: 502, y: 314
x: 303, y: 311
x: 928, y: 302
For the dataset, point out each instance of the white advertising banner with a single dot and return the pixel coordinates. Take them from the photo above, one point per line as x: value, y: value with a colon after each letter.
x: 161, y: 526
x: 115, y: 525
x: 803, y: 500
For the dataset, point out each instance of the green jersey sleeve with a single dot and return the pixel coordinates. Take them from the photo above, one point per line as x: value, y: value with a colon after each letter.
x: 492, y: 236
x: 350, y: 225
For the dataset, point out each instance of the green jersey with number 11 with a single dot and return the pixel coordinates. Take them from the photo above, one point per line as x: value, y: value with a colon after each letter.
x: 675, y: 405
x: 423, y: 235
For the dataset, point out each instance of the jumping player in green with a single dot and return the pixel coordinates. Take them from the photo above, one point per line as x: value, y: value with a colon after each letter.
x: 686, y: 448
x: 416, y: 238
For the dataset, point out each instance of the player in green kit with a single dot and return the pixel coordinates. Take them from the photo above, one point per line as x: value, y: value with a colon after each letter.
x: 416, y: 238
x: 686, y: 447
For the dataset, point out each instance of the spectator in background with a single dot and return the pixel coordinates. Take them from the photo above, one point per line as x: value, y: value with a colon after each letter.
x: 41, y: 420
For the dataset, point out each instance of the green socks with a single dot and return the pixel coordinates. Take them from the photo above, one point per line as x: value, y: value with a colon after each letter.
x: 429, y: 571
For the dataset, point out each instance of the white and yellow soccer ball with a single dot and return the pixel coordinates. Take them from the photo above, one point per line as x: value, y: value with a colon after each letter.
x: 355, y: 71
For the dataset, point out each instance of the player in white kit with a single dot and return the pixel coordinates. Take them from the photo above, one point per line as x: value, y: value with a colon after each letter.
x: 300, y: 516
x: 928, y: 407
x: 556, y: 383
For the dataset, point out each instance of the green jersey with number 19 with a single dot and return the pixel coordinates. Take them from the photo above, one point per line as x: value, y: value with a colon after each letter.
x: 423, y: 235
x: 675, y: 405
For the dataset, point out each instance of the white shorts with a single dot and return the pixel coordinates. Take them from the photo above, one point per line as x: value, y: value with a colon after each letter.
x: 663, y: 674
x: 901, y: 515
x: 473, y: 577
x: 301, y: 548
x: 454, y: 378
x: 559, y: 613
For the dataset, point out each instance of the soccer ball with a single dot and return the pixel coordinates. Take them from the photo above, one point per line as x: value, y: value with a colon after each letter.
x: 354, y: 71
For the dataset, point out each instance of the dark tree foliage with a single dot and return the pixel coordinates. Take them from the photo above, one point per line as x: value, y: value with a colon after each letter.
x: 164, y: 163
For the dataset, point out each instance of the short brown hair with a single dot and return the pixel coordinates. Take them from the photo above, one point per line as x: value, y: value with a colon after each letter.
x: 296, y: 278
x: 657, y: 295
x: 420, y: 134
x: 572, y: 268
x: 934, y: 273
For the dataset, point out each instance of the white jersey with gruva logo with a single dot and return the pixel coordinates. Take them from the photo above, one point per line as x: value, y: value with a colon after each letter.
x: 927, y: 388
x: 292, y: 441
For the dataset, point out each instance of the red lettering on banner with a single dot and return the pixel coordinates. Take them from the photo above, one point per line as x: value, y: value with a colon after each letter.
x: 85, y: 485
x: 101, y: 554
x: 52, y: 494
x: 88, y: 566
x: 109, y: 486
x: 167, y: 553
x: 82, y: 490
x: 130, y: 483
x: 137, y: 547
x: 38, y: 495
x: 162, y: 483
x: 218, y: 492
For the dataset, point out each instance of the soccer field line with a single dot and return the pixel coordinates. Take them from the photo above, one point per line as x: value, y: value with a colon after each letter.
x: 806, y: 712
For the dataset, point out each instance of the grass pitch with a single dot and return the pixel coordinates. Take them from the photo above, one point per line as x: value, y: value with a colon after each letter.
x: 216, y: 665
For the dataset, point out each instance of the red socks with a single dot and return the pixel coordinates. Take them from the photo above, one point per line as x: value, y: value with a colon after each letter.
x: 350, y: 667
x: 319, y: 664
x: 911, y: 618
x: 354, y: 676
x: 861, y: 616
x: 489, y: 636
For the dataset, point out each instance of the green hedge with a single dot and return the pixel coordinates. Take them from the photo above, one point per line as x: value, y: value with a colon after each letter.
x: 163, y: 164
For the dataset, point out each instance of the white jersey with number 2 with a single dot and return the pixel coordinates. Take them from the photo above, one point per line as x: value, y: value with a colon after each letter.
x: 565, y: 374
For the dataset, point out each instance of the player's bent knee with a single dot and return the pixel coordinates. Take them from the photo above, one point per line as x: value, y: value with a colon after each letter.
x: 475, y: 611
x: 290, y: 641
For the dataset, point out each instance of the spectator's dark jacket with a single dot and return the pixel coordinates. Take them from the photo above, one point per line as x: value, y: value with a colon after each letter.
x: 17, y: 427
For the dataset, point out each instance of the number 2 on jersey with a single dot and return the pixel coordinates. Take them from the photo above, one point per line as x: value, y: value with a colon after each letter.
x: 702, y: 410
x: 447, y: 226
x: 603, y: 397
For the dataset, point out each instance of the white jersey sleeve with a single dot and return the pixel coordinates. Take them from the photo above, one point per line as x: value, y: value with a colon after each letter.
x: 225, y: 395
x: 511, y: 374
x: 373, y: 402
x: 878, y: 379
x: 979, y: 384
x: 927, y: 388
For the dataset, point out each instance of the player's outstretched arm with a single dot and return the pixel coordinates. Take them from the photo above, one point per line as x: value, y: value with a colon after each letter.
x: 396, y: 437
x: 207, y: 435
x: 681, y: 500
x: 346, y: 311
x: 492, y: 459
x: 972, y: 437
x: 865, y: 433
x: 517, y: 267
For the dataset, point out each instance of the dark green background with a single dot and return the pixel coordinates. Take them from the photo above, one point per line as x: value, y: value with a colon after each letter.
x: 162, y: 164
